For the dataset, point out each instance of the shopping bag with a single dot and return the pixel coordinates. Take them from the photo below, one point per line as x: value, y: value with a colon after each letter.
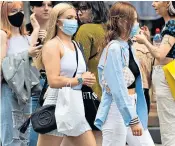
x: 169, y: 71
x: 69, y: 112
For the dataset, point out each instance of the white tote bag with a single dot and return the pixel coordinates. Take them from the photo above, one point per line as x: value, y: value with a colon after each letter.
x: 69, y: 112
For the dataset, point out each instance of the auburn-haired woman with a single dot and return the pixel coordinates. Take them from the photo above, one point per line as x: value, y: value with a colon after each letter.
x: 122, y: 115
x: 14, y: 42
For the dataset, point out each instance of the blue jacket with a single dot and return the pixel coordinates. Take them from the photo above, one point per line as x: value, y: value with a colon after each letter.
x: 113, y: 74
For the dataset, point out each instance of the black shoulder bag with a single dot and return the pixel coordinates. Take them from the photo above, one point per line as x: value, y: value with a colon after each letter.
x: 43, y: 119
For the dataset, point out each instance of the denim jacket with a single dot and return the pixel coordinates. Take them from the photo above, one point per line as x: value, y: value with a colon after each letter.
x: 20, y: 76
x: 118, y: 55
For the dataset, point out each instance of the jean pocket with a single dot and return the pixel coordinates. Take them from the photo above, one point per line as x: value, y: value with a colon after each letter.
x: 18, y: 142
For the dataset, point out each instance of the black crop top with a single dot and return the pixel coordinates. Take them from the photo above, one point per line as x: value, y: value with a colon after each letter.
x: 169, y: 29
x: 134, y: 68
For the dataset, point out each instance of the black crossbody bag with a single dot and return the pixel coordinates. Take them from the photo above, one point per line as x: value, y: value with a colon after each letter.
x: 43, y: 119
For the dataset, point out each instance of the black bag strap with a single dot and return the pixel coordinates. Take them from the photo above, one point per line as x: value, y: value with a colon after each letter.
x: 93, y: 56
x: 42, y: 91
x: 82, y: 51
x: 76, y: 50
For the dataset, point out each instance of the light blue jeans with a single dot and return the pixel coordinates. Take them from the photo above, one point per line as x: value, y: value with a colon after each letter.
x: 12, y: 117
x: 34, y: 100
x: 33, y: 134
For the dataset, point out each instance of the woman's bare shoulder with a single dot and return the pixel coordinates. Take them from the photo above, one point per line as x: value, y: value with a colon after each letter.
x: 3, y: 34
x: 51, y: 46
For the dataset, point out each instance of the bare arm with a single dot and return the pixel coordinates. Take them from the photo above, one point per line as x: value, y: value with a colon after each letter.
x: 3, y: 36
x: 36, y: 28
x: 51, y: 56
x: 158, y: 52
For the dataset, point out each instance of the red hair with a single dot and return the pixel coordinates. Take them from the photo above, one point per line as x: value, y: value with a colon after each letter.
x: 6, y: 8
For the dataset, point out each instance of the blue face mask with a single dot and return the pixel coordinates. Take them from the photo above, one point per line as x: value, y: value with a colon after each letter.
x: 134, y: 30
x: 69, y: 26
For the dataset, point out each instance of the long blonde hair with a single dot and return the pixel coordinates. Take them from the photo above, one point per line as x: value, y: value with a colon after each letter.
x: 56, y: 12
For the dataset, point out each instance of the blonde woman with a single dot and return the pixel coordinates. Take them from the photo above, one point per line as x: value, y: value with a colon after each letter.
x: 163, y: 54
x: 59, y: 59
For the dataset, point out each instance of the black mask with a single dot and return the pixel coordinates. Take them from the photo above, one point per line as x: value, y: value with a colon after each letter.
x: 16, y: 19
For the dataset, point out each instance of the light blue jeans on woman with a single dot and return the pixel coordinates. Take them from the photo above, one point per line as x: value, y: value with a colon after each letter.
x: 34, y: 100
x: 12, y: 117
x: 33, y: 134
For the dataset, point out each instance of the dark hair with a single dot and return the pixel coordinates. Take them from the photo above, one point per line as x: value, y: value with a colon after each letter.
x: 39, y: 3
x: 171, y: 8
x: 75, y: 4
x: 121, y: 21
x: 99, y: 10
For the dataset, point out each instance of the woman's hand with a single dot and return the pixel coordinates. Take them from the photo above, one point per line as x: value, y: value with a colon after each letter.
x: 140, y: 38
x: 136, y: 130
x: 34, y: 50
x: 42, y: 35
x: 34, y: 22
x: 146, y: 32
x: 88, y: 79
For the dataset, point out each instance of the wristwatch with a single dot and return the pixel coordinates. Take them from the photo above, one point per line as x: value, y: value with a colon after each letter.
x: 80, y: 80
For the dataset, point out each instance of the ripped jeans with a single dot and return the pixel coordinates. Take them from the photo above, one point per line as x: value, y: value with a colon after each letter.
x: 12, y: 117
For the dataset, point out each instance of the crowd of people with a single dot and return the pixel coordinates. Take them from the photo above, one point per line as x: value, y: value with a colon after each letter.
x: 102, y: 56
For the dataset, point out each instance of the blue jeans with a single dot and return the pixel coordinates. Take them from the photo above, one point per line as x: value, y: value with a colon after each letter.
x: 34, y: 99
x: 33, y: 134
x: 12, y: 117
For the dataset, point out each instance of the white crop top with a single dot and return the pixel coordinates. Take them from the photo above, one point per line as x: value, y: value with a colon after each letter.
x: 69, y: 63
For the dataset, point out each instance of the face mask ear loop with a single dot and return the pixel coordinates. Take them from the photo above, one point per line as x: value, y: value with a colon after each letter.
x: 61, y: 27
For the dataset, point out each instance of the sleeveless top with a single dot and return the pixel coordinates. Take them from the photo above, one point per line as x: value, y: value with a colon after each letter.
x: 18, y: 44
x: 69, y: 63
x: 169, y: 29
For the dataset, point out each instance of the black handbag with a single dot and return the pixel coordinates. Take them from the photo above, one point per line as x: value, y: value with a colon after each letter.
x: 91, y: 104
x: 43, y: 119
x: 90, y: 99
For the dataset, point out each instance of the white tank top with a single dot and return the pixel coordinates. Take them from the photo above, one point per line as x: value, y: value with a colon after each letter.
x: 69, y: 63
x: 18, y: 44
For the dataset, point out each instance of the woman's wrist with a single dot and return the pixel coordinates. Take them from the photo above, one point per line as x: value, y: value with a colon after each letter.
x: 73, y: 81
x: 134, y: 121
x: 36, y: 29
x: 147, y: 43
x: 80, y: 80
